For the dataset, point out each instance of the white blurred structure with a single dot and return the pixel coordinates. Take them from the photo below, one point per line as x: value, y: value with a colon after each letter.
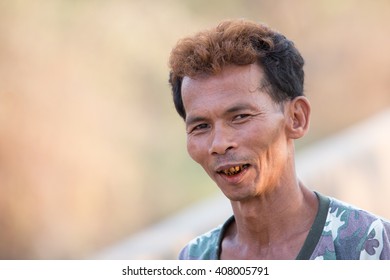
x: 353, y: 166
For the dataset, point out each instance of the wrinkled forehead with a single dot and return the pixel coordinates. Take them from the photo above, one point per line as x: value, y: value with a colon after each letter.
x: 236, y: 85
x: 250, y: 76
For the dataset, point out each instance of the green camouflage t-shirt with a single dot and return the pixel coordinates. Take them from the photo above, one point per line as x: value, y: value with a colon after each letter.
x: 339, y: 232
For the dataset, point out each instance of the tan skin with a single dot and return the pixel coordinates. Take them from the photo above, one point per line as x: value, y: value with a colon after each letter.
x: 233, y: 125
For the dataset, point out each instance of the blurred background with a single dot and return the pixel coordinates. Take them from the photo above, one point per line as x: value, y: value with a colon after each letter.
x: 93, y: 161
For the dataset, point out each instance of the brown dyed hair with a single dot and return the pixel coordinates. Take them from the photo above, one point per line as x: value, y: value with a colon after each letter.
x: 238, y: 42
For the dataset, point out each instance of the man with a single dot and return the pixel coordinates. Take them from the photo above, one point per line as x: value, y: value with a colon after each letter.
x: 239, y: 89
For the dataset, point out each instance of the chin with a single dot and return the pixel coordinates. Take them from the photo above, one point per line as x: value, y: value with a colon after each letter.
x: 237, y: 195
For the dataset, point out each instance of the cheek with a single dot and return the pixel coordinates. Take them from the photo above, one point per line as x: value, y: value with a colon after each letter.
x: 270, y: 143
x: 194, y: 150
x: 277, y: 152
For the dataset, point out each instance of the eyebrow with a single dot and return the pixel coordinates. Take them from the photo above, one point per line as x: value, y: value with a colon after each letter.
x: 239, y: 107
x: 194, y: 119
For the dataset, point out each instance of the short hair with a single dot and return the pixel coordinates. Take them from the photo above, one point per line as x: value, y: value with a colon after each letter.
x: 238, y: 42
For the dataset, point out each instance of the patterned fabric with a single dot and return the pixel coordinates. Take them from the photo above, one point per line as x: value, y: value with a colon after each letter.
x: 339, y: 232
x: 352, y: 234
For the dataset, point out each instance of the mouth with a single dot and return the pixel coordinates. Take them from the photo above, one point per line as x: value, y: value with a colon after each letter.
x: 233, y: 170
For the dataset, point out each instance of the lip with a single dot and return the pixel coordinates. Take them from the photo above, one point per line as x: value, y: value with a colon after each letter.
x: 233, y: 179
x: 228, y: 166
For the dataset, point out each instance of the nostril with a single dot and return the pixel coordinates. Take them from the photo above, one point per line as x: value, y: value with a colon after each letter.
x: 220, y: 150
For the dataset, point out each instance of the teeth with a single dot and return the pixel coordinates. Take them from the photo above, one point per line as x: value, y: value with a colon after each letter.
x: 233, y: 170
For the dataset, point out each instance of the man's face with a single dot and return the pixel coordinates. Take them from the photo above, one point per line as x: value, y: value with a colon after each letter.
x: 235, y: 131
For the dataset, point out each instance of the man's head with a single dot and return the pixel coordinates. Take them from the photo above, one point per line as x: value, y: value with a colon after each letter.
x: 238, y: 42
x: 239, y: 89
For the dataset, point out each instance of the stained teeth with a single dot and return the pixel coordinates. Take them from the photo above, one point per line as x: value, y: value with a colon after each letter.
x: 233, y: 170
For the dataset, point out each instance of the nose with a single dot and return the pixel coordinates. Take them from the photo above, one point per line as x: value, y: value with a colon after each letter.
x: 222, y: 140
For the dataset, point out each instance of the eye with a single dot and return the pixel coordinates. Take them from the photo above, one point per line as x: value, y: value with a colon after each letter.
x: 241, y: 117
x: 199, y: 127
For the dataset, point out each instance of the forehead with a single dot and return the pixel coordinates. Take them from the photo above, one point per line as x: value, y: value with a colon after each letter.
x: 232, y: 84
x: 232, y: 76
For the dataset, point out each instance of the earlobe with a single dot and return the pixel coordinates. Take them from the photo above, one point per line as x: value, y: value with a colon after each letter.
x: 299, y: 117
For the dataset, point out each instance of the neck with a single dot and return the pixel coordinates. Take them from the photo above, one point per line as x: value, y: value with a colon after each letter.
x: 275, y: 217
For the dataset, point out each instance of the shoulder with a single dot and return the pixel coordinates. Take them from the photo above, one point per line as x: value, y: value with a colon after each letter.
x: 348, y: 214
x: 352, y: 227
x: 207, y: 245
x: 203, y: 247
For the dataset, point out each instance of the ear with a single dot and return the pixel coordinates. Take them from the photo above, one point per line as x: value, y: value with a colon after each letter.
x: 298, y: 114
